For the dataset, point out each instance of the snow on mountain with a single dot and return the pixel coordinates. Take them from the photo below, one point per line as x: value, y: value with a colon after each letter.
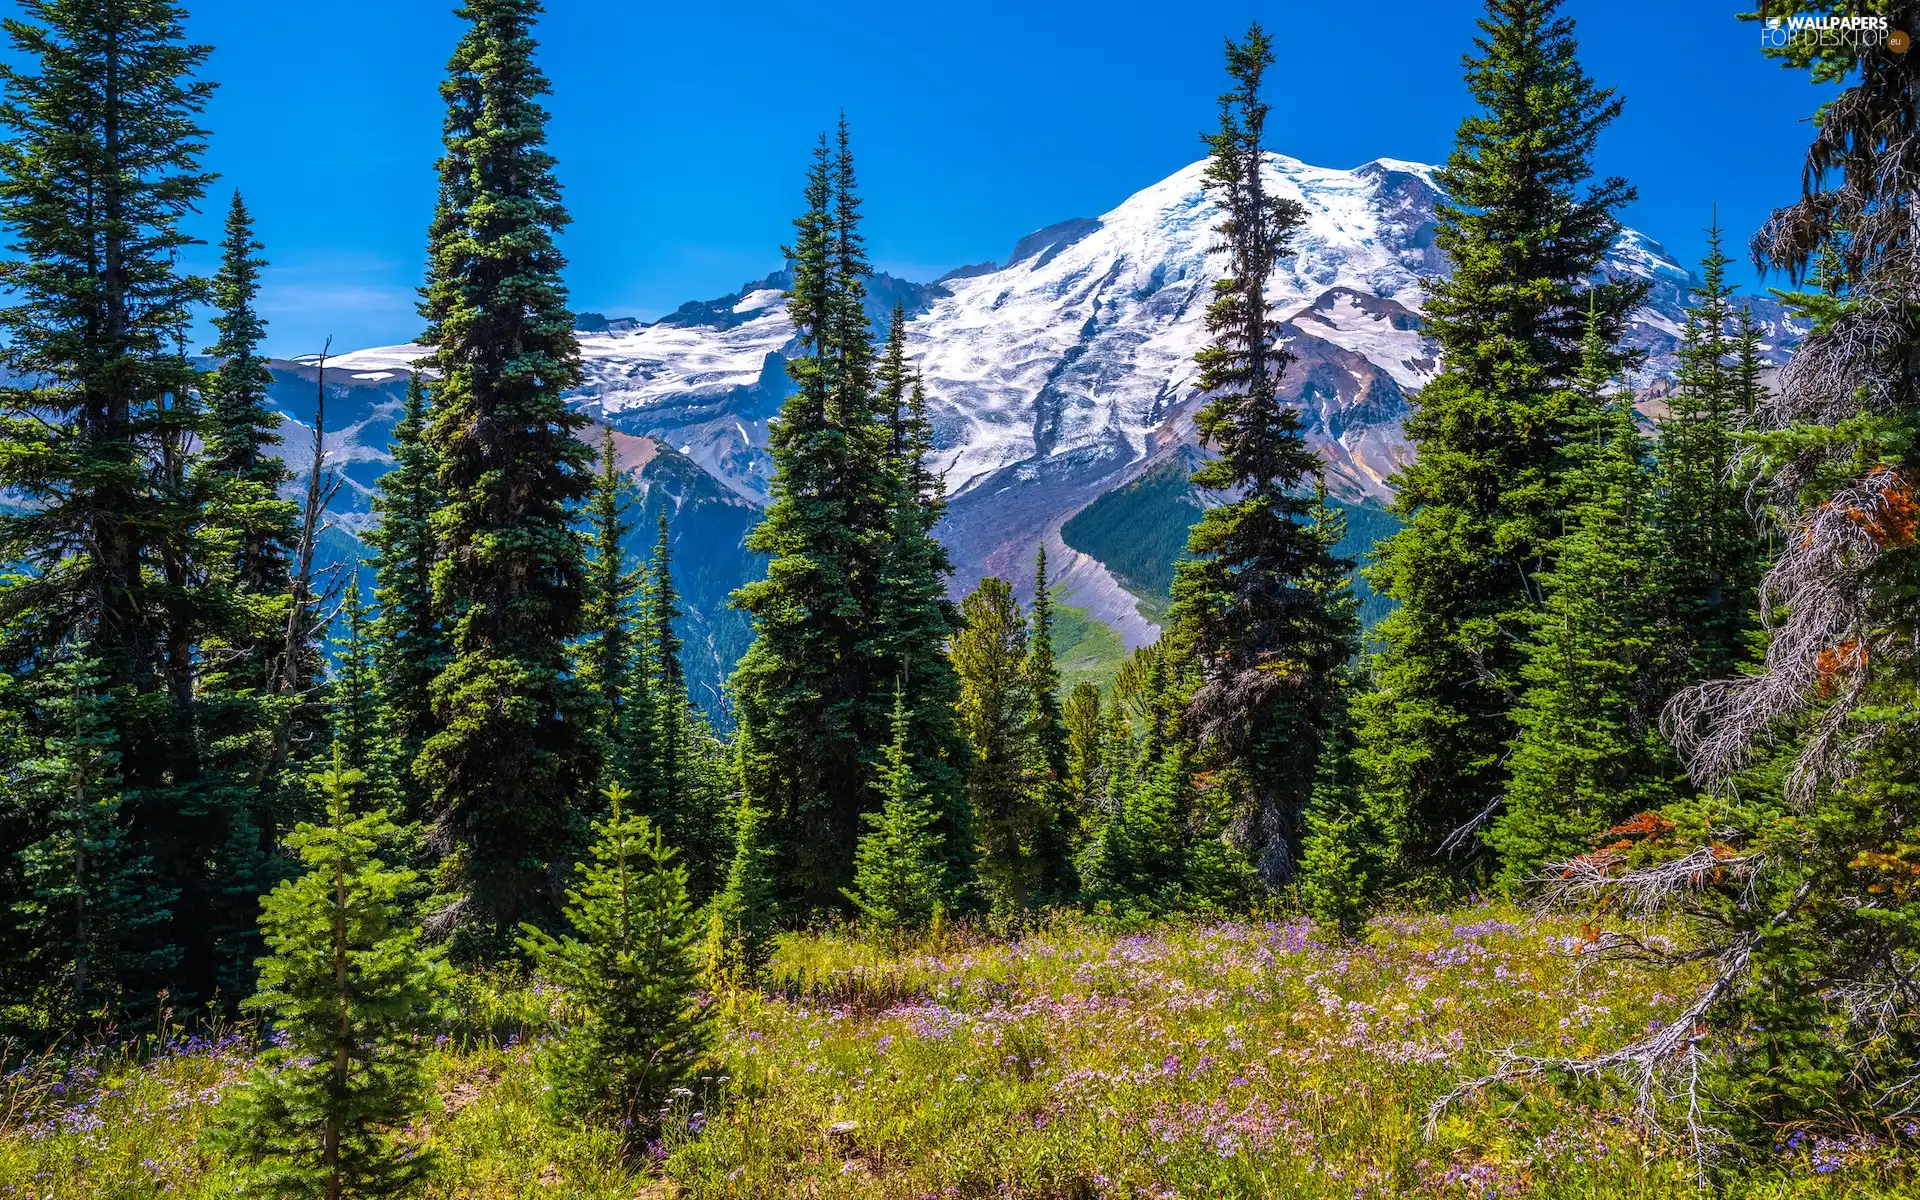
x: 1068, y: 370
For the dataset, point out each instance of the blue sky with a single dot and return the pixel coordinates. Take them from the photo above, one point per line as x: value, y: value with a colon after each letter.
x: 682, y: 128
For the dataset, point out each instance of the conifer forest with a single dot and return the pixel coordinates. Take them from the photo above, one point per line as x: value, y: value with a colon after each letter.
x: 1561, y: 840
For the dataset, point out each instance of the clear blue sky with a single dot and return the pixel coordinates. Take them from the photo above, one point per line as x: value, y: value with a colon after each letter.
x: 682, y: 128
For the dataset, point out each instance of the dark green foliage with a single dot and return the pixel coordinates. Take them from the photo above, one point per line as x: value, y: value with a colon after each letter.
x: 636, y: 1030
x: 1712, y: 558
x: 1261, y: 606
x: 242, y: 477
x: 1525, y: 228
x: 98, y: 164
x: 917, y: 620
x: 743, y: 916
x: 609, y: 660
x: 1589, y: 751
x: 245, y: 703
x: 511, y: 755
x: 996, y: 715
x: 1163, y: 850
x: 899, y: 874
x: 1057, y: 835
x: 350, y: 989
x: 410, y: 641
x: 353, y: 701
x: 1797, y: 872
x: 82, y: 906
x: 811, y: 689
x: 1343, y: 855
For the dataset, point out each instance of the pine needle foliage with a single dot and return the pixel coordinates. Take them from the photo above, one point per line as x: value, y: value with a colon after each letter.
x: 899, y: 870
x: 1267, y: 639
x: 1526, y: 226
x: 349, y: 989
x: 1589, y: 753
x: 510, y: 757
x: 637, y: 1028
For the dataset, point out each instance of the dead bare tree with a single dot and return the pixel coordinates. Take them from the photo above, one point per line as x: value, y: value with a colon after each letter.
x: 290, y: 674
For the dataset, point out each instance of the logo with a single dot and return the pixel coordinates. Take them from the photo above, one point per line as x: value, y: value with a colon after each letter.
x: 1809, y: 31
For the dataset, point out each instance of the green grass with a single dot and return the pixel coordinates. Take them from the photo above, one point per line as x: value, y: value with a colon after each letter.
x: 1204, y: 1059
x: 1086, y: 650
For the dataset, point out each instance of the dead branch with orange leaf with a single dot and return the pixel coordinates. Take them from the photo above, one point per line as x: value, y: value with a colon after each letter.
x: 1820, y: 651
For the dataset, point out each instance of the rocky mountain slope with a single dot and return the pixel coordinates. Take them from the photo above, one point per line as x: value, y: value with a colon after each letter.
x: 1066, y: 372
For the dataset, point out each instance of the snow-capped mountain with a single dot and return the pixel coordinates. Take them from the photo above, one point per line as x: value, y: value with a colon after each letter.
x: 1067, y: 371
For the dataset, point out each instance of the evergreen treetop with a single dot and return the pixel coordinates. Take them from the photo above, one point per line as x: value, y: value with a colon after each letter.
x: 1268, y: 640
x: 1525, y: 226
x: 510, y: 758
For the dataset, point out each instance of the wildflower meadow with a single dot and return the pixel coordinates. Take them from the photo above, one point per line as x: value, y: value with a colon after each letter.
x: 1239, y: 1058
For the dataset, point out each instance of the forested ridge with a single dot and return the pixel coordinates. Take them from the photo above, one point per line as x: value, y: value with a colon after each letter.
x: 360, y: 859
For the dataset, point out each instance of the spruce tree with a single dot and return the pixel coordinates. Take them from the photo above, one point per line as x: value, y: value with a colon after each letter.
x: 99, y: 163
x: 410, y: 642
x: 1138, y: 863
x: 609, y: 663
x: 512, y: 755
x: 1342, y: 854
x: 247, y: 539
x: 351, y: 702
x: 636, y: 1028
x: 1056, y: 831
x: 810, y: 690
x: 1268, y: 642
x: 350, y: 990
x: 917, y: 620
x: 1711, y: 559
x: 996, y: 714
x: 82, y: 904
x: 238, y: 467
x: 1589, y: 751
x: 1524, y: 227
x: 899, y: 870
x: 740, y: 924
x: 1086, y: 778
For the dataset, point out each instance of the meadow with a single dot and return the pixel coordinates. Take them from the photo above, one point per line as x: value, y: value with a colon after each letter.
x: 1201, y: 1059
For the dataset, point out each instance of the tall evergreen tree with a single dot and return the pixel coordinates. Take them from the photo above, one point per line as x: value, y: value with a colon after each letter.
x: 410, y: 642
x: 1711, y: 561
x: 247, y: 547
x: 990, y: 655
x: 741, y: 921
x: 239, y: 466
x: 511, y: 756
x: 609, y: 661
x: 353, y: 701
x: 917, y: 620
x: 350, y: 990
x: 1269, y: 641
x: 99, y: 162
x: 1342, y: 853
x: 1057, y: 830
x: 810, y: 690
x: 1525, y: 228
x: 1589, y: 751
